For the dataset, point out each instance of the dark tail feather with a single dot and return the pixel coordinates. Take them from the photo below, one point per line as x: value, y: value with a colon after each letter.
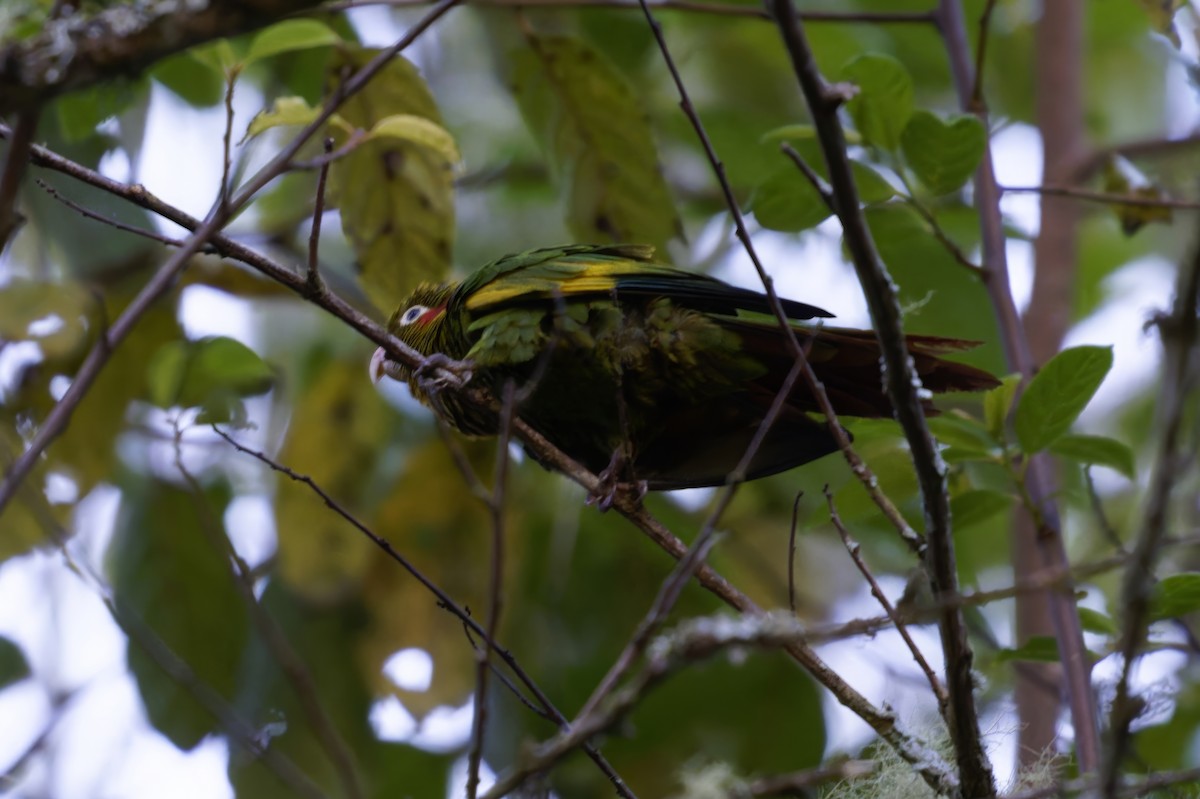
x: 847, y: 363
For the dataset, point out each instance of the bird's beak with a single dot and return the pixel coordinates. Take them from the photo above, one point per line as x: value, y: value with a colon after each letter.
x: 378, y: 365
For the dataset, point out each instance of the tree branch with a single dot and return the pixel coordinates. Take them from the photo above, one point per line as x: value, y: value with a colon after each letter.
x: 82, y: 49
x: 1180, y: 342
x: 1051, y: 554
x: 902, y: 386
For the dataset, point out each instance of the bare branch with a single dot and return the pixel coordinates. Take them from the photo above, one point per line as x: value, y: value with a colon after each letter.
x: 444, y: 599
x: 855, y: 550
x: 115, y: 223
x: 14, y: 169
x: 859, y: 468
x: 693, y: 641
x: 1106, y: 198
x: 978, y: 104
x: 315, y: 284
x: 1155, y: 147
x: 496, y: 588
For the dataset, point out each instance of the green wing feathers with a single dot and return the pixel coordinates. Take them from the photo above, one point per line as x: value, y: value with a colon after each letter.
x: 674, y: 369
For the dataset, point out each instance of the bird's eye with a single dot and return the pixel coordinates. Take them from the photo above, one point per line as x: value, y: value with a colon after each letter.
x: 412, y: 314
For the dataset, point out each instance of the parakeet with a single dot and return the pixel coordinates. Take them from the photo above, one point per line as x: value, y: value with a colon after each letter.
x: 645, y: 372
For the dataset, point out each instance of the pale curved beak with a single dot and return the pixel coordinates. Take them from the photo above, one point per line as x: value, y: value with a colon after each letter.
x: 378, y: 365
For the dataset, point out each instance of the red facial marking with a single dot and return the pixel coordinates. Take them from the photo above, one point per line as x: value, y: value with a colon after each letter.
x: 430, y: 315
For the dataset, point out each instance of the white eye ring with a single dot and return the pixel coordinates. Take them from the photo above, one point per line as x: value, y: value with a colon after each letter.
x: 411, y: 315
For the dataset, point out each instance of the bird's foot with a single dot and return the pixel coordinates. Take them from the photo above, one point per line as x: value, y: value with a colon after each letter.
x: 439, y: 372
x: 615, y: 481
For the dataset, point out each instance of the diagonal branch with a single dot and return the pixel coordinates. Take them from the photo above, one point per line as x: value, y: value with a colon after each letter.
x: 546, y: 709
x: 902, y: 386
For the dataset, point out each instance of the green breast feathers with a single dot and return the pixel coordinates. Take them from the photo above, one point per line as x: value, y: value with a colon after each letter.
x: 629, y: 362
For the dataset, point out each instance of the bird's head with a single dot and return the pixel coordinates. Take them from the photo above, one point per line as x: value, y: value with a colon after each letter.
x: 417, y: 322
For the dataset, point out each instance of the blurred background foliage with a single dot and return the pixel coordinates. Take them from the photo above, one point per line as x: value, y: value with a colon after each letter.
x: 501, y: 130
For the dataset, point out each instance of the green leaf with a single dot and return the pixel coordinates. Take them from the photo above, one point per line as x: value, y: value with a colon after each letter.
x: 288, y: 36
x: 284, y: 111
x: 943, y: 154
x: 957, y: 429
x: 1094, y: 621
x: 218, y: 55
x: 198, y: 82
x: 598, y: 138
x: 788, y: 202
x: 1058, y: 394
x: 418, y: 130
x: 973, y: 507
x: 1039, y: 648
x: 872, y: 186
x: 81, y: 111
x: 996, y: 405
x: 396, y: 197
x: 1175, y: 596
x: 1096, y: 450
x: 208, y: 373
x: 170, y: 576
x: 884, y: 102
x: 13, y: 666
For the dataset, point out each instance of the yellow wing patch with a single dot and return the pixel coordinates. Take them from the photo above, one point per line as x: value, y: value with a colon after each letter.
x: 503, y: 290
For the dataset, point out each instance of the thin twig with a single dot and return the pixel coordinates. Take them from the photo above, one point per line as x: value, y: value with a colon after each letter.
x: 816, y: 180
x: 791, y: 570
x: 1154, y: 147
x: 902, y: 385
x: 817, y: 389
x: 444, y: 600
x: 1144, y: 787
x: 315, y: 284
x: 928, y: 762
x: 855, y: 550
x: 114, y: 223
x: 800, y: 783
x: 293, y: 666
x: 985, y: 21
x: 691, y: 642
x: 939, y: 233
x: 496, y: 587
x: 720, y: 9
x: 1105, y: 198
x: 1181, y: 336
x: 226, y: 146
x: 14, y: 169
x: 668, y: 594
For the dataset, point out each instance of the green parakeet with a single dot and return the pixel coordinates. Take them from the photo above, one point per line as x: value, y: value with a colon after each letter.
x: 663, y: 373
